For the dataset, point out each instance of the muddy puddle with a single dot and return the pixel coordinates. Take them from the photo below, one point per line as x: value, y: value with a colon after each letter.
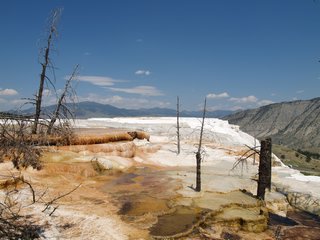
x: 294, y: 218
x: 277, y: 220
x: 180, y: 222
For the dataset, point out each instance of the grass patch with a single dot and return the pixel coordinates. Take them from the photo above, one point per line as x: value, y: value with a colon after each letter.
x: 296, y: 160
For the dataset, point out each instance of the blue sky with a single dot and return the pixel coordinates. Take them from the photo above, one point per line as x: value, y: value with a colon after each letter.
x: 143, y: 53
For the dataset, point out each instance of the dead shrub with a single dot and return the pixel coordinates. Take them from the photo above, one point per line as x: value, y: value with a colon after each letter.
x: 17, y: 144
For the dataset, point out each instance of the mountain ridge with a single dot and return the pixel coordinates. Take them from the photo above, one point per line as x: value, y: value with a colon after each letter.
x: 89, y: 109
x: 294, y: 124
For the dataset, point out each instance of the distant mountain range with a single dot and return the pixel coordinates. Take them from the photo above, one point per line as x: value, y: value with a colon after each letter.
x: 97, y: 110
x: 295, y: 124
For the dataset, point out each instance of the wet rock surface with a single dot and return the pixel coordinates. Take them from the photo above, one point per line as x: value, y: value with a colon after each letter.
x: 297, y: 225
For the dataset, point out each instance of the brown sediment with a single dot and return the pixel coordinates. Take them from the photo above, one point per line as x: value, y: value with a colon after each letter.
x: 180, y: 222
x: 301, y: 233
x: 123, y: 149
x: 81, y: 139
x: 246, y: 219
x: 12, y: 181
x: 233, y: 210
x: 305, y: 218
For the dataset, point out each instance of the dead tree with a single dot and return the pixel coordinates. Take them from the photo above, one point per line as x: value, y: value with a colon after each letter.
x: 264, y: 180
x: 46, y: 63
x: 178, y: 126
x: 62, y: 110
x: 198, y: 154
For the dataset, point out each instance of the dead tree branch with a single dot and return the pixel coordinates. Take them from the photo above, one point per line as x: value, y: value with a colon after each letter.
x: 243, y: 159
x: 62, y: 109
x: 51, y: 202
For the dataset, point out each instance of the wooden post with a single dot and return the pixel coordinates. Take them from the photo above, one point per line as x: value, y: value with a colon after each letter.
x: 178, y: 126
x: 264, y: 180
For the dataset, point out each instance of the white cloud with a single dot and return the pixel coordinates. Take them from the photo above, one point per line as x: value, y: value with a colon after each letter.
x: 248, y: 99
x: 47, y: 92
x: 6, y: 105
x: 113, y: 100
x: 141, y: 90
x: 122, y: 102
x: 98, y: 80
x: 8, y: 92
x: 217, y: 96
x: 18, y: 102
x: 234, y: 103
x: 265, y: 102
x: 300, y: 91
x: 143, y: 72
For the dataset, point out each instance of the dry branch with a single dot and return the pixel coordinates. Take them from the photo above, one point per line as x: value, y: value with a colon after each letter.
x: 62, y: 111
x: 243, y: 159
x: 51, y: 202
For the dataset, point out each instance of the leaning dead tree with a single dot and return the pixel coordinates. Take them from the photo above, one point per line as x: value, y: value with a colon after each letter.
x: 198, y: 153
x: 178, y: 126
x: 63, y: 112
x: 46, y: 63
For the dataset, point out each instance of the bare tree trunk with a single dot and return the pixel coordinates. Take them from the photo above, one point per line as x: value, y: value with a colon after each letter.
x: 254, y: 155
x: 264, y: 168
x: 178, y: 126
x: 198, y: 176
x: 46, y: 61
x: 61, y: 101
x: 40, y: 90
x: 198, y: 154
